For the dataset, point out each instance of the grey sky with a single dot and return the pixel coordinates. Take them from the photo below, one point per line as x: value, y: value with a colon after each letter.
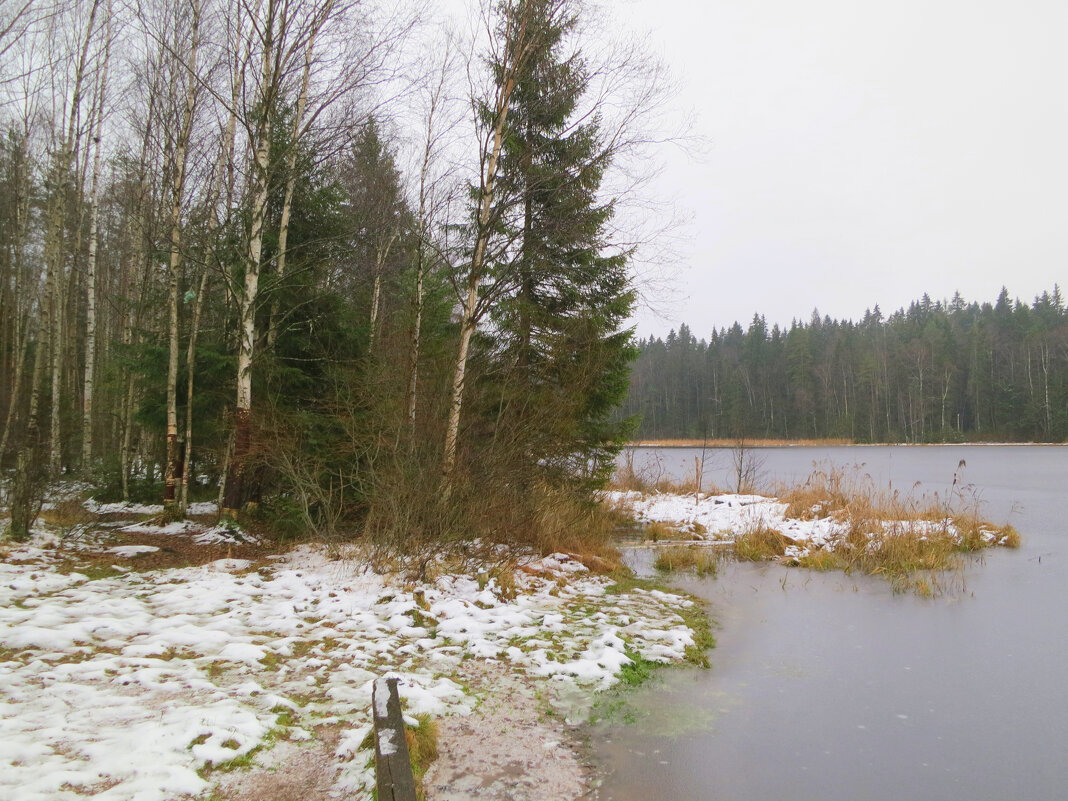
x: 862, y: 153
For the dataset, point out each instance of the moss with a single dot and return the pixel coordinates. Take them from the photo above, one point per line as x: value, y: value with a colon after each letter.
x: 243, y: 762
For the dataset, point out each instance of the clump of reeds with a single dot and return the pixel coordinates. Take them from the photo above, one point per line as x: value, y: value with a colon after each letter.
x: 657, y: 531
x: 828, y: 489
x: 760, y: 542
x: 888, y: 533
x: 704, y: 561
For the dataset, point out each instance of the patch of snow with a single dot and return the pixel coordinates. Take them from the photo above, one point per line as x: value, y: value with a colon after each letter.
x: 123, y: 507
x: 126, y: 687
x: 132, y: 550
x: 228, y: 534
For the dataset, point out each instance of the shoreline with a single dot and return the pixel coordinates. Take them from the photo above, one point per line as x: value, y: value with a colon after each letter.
x: 727, y: 444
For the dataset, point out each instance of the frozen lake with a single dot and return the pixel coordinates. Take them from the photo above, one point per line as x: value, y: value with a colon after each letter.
x: 830, y: 687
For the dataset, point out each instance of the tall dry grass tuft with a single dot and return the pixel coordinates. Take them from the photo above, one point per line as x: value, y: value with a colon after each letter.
x: 704, y: 561
x: 761, y: 542
x: 564, y: 522
x: 893, y: 534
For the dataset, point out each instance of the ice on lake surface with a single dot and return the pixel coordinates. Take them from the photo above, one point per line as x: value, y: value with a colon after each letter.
x: 827, y: 686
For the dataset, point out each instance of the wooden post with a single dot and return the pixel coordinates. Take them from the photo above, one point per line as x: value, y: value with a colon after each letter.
x: 393, y: 766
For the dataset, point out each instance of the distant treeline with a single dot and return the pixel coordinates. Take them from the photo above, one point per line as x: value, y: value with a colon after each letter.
x: 935, y: 372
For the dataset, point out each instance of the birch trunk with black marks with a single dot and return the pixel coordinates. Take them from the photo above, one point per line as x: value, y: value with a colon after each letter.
x: 235, y: 477
x: 515, y: 56
x: 174, y: 469
x: 90, y: 269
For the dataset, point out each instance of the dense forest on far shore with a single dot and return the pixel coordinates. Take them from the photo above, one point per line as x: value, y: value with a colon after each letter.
x: 935, y: 372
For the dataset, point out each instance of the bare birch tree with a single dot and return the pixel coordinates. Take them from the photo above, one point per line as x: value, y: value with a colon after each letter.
x: 94, y: 244
x: 512, y: 36
x: 282, y: 35
x: 185, y: 69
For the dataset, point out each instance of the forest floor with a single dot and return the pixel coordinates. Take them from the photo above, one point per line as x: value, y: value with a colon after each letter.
x: 146, y: 660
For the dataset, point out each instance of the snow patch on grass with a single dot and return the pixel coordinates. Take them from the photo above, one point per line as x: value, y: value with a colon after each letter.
x: 141, y: 685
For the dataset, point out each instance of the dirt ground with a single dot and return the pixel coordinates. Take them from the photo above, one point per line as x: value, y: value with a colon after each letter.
x: 509, y: 749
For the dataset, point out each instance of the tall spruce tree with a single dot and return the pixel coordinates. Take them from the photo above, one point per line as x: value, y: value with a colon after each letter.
x: 565, y: 355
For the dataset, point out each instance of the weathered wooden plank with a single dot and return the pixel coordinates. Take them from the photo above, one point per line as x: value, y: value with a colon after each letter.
x: 393, y: 766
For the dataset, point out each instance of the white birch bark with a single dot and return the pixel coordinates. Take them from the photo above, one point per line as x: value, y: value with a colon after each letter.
x: 234, y: 488
x: 221, y: 168
x: 90, y: 270
x: 469, y: 303
x: 177, y: 200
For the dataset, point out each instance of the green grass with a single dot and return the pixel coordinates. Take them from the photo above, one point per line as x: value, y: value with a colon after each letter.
x: 243, y: 762
x: 695, y: 616
x: 637, y: 671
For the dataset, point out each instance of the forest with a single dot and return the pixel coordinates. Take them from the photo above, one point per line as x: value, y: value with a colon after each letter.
x: 935, y: 372
x: 339, y: 266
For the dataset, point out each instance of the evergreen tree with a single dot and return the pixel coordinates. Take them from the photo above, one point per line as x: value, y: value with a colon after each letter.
x: 936, y: 371
x: 564, y: 349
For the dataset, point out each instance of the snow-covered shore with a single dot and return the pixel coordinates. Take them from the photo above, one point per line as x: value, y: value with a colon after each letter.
x: 722, y: 518
x: 149, y: 684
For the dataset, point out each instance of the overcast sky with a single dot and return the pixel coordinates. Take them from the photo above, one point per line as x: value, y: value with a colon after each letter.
x: 861, y: 153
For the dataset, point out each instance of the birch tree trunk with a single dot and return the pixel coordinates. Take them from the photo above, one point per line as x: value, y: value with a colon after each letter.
x: 90, y: 270
x: 135, y: 304
x: 221, y: 168
x: 235, y: 476
x: 194, y: 328
x: 413, y: 351
x: 24, y: 336
x: 381, y: 255
x: 55, y: 252
x: 291, y: 185
x: 174, y: 465
x: 469, y: 308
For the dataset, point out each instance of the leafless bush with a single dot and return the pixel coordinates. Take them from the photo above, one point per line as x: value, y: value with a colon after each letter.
x: 748, y: 465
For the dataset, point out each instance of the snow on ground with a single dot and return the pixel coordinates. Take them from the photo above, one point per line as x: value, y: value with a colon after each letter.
x: 146, y: 685
x: 722, y: 518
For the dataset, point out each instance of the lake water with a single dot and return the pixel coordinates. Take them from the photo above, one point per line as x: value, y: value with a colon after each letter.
x: 830, y: 687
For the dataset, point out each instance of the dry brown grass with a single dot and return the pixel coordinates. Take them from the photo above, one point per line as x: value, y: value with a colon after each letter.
x: 653, y: 478
x: 566, y: 524
x: 761, y: 542
x: 903, y: 538
x: 66, y: 515
x: 627, y: 480
x: 704, y: 561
